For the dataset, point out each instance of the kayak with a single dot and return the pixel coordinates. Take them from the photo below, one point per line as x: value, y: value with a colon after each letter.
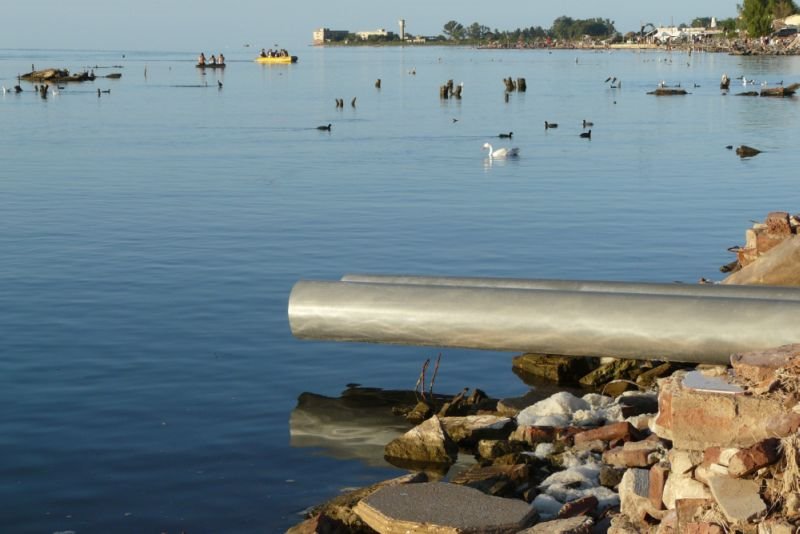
x: 279, y: 59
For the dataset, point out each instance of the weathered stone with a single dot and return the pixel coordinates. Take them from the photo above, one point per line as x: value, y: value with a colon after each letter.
x: 779, y: 267
x: 470, y: 429
x: 688, y: 511
x: 425, y: 443
x: 682, y: 462
x: 634, y: 494
x: 633, y: 454
x: 760, y: 366
x: 658, y: 479
x: 573, y: 525
x: 703, y: 527
x: 615, y: 369
x: 704, y: 472
x: 778, y: 223
x: 738, y: 499
x: 499, y: 480
x: 533, y: 435
x: 442, y: 508
x: 582, y: 506
x: 339, y: 510
x: 648, y: 378
x: 776, y: 526
x: 753, y: 458
x: 610, y: 477
x: 683, y: 488
x: 622, y: 430
x: 697, y: 420
x: 559, y: 369
x: 669, y: 523
x: 494, y: 448
x: 596, y: 445
x: 622, y: 524
x: 637, y: 404
x: 322, y: 523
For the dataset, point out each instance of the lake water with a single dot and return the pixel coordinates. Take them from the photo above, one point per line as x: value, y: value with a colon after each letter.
x: 150, y: 238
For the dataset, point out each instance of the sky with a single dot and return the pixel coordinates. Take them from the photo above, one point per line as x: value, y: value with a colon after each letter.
x: 190, y: 25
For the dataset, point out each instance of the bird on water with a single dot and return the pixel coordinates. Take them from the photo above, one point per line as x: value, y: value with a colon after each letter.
x: 548, y: 125
x: 587, y: 124
x: 587, y: 135
x: 508, y: 135
x: 501, y: 152
x: 325, y: 128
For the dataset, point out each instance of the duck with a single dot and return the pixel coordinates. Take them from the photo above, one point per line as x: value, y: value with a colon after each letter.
x: 508, y: 135
x: 587, y: 124
x: 587, y: 135
x: 325, y: 128
x: 548, y: 125
x: 501, y: 152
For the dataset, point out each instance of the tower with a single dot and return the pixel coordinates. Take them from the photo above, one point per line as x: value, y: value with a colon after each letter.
x: 402, y: 23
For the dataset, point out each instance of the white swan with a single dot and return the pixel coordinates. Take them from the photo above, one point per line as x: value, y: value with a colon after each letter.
x: 501, y: 152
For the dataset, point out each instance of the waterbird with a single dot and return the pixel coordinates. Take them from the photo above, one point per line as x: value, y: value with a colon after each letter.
x: 586, y: 135
x: 587, y: 124
x: 548, y: 125
x: 501, y: 152
x: 455, y: 120
x: 608, y: 79
x: 5, y: 90
x: 17, y: 89
x: 506, y: 135
x: 353, y: 102
x: 219, y: 84
x: 325, y: 128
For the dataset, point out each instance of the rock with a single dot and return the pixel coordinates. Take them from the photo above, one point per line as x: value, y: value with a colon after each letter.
x: 322, y: 523
x: 703, y: 527
x: 339, y: 510
x: 745, y: 151
x: 648, y: 378
x: 690, y: 511
x: 634, y: 494
x: 442, y: 508
x: 498, y: 480
x: 470, y: 429
x: 621, y: 524
x: 632, y: 404
x: 683, y: 488
x: 760, y: 366
x: 738, y: 499
x: 753, y: 458
x: 578, y: 507
x: 613, y: 370
x: 696, y: 420
x: 573, y: 525
x: 633, y: 454
x: 610, y: 477
x: 559, y: 369
x: 778, y: 223
x: 778, y: 267
x: 534, y: 435
x: 776, y: 526
x: 493, y: 448
x: 427, y: 443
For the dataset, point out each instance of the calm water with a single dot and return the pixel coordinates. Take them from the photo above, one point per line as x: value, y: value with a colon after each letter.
x: 150, y: 238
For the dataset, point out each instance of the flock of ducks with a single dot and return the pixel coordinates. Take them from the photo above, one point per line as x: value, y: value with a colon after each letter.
x: 513, y: 152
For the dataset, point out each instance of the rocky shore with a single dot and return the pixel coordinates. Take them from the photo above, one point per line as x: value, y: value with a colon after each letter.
x: 654, y: 447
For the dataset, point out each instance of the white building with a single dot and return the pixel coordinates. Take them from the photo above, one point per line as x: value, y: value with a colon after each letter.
x: 380, y: 32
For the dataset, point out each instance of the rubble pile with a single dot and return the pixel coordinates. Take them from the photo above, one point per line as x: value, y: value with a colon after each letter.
x: 770, y: 254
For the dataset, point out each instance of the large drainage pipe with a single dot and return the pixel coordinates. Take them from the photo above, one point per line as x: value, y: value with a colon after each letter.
x: 697, y: 290
x: 578, y: 323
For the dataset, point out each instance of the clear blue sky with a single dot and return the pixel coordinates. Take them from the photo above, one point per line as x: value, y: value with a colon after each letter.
x: 202, y: 25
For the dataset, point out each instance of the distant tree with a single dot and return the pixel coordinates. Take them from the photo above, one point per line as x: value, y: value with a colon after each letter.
x: 454, y: 30
x: 701, y: 22
x: 563, y: 28
x: 477, y: 31
x: 757, y: 15
x: 728, y: 25
x: 783, y: 8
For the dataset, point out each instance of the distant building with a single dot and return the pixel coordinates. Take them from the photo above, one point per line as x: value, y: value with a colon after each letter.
x: 402, y: 24
x: 325, y: 35
x: 380, y: 32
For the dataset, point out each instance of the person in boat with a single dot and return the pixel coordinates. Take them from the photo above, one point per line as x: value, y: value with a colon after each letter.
x: 221, y: 59
x: 201, y: 60
x: 212, y: 60
x: 263, y: 53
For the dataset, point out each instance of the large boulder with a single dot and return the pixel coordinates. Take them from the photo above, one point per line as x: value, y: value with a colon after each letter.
x: 778, y: 267
x: 427, y: 443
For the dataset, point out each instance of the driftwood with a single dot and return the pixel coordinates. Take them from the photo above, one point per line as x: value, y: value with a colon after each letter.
x: 748, y: 93
x: 57, y: 75
x: 780, y: 91
x: 668, y: 91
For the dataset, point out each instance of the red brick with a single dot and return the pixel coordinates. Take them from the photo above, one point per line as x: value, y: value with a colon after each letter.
x: 621, y: 457
x: 696, y: 420
x: 658, y: 479
x: 534, y: 435
x: 760, y: 366
x: 752, y: 459
x: 702, y: 528
x: 621, y: 430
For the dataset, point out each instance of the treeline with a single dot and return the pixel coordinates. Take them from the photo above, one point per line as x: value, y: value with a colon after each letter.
x: 756, y: 16
x: 564, y: 28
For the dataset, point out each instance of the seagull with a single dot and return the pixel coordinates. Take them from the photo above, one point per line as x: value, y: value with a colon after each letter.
x: 325, y: 128
x: 587, y: 124
x: 548, y: 125
x: 455, y: 120
x: 5, y: 90
x: 506, y: 135
x: 501, y: 152
x: 587, y: 135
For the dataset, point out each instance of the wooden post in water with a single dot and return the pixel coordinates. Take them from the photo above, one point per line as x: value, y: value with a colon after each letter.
x: 443, y: 92
x: 378, y: 83
x: 521, y: 85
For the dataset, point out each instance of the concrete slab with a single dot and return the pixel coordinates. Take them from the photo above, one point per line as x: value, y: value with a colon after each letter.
x: 442, y: 508
x: 738, y: 499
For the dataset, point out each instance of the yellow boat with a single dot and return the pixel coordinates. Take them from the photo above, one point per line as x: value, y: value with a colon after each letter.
x: 276, y: 59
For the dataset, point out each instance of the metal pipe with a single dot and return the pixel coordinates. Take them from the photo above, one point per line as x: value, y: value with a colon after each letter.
x: 576, y: 323
x: 699, y: 290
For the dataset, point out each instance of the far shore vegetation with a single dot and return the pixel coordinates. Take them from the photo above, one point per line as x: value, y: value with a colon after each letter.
x: 756, y: 18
